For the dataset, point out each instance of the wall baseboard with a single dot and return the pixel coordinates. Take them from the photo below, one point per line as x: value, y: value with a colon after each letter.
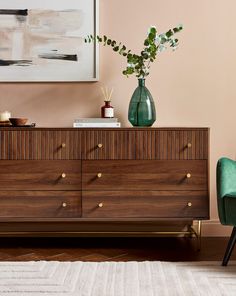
x: 215, y: 228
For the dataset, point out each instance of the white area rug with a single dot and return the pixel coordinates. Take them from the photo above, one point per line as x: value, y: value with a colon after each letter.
x: 117, y: 279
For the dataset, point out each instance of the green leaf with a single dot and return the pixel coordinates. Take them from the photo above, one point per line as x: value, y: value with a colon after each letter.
x: 169, y: 33
x: 130, y: 70
x: 153, y: 30
x: 146, y: 42
x: 151, y: 36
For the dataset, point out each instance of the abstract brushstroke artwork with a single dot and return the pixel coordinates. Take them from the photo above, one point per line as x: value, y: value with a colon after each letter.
x: 44, y: 40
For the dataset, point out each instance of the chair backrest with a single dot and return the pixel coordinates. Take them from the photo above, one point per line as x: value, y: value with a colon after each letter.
x: 226, y: 184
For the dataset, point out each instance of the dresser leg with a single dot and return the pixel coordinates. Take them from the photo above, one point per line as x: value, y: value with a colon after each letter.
x: 191, y: 232
x: 199, y: 235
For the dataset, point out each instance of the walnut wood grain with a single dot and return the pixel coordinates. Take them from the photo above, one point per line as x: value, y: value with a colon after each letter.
x: 40, y: 204
x: 145, y: 144
x: 144, y: 175
x: 34, y: 144
x: 143, y: 178
x: 115, y: 144
x: 40, y: 175
x: 129, y: 143
x: 162, y: 204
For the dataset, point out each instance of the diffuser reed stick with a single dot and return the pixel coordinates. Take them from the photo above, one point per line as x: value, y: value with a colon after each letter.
x: 107, y: 93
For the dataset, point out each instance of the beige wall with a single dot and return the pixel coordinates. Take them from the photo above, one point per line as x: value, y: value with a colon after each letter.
x: 195, y: 86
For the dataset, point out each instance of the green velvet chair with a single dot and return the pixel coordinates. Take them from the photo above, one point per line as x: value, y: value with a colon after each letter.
x: 226, y: 198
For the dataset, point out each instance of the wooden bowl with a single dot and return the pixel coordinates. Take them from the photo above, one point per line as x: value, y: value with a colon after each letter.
x: 18, y: 121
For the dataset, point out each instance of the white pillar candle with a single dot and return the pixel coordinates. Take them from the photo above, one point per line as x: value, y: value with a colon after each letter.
x: 4, y: 116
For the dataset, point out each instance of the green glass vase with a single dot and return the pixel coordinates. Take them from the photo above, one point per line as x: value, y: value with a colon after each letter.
x: 142, y: 111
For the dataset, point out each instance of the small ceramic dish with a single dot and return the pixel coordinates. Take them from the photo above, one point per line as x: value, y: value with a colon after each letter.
x: 18, y: 121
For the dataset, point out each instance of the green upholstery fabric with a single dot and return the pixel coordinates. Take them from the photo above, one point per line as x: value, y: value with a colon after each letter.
x: 226, y: 191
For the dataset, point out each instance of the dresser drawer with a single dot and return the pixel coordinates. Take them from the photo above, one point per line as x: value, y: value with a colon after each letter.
x: 103, y: 144
x: 40, y: 144
x: 145, y: 204
x: 40, y: 204
x: 147, y: 144
x: 40, y: 175
x: 144, y: 175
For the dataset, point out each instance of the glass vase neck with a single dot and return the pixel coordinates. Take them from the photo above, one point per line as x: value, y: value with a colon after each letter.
x: 141, y: 82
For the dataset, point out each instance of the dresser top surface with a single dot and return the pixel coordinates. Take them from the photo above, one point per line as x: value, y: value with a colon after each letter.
x: 105, y: 129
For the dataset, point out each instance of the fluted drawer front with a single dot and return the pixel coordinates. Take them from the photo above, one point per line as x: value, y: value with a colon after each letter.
x: 40, y: 144
x: 40, y: 175
x: 147, y: 144
x: 40, y: 204
x: 172, y: 144
x: 103, y: 144
x: 145, y: 204
x: 143, y: 144
x: 144, y: 175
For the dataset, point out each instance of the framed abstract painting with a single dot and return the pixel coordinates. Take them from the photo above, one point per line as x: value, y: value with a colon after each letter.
x: 43, y: 41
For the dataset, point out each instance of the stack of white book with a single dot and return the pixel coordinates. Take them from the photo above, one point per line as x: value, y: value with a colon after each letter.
x: 96, y: 122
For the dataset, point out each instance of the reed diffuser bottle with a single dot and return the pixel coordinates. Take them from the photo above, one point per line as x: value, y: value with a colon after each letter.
x: 107, y: 111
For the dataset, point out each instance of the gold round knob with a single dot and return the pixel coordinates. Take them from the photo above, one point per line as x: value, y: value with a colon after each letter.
x: 99, y: 175
x: 100, y: 205
x: 63, y: 175
x: 189, y: 145
x: 188, y: 176
x: 64, y: 204
x: 189, y: 204
x: 100, y: 145
x: 63, y: 145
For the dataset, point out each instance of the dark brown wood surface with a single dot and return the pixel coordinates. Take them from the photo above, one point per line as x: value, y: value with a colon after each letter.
x: 40, y: 175
x: 144, y: 175
x: 129, y: 143
x: 162, y: 204
x: 34, y: 144
x: 143, y: 178
x: 40, y: 204
x: 145, y: 144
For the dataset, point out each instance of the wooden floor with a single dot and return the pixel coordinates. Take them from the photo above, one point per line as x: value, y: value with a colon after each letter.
x: 111, y: 249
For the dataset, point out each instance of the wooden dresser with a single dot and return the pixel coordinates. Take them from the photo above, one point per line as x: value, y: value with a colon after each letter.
x: 128, y: 181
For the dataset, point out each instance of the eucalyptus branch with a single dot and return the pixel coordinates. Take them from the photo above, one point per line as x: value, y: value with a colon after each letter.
x: 153, y: 44
x: 117, y: 47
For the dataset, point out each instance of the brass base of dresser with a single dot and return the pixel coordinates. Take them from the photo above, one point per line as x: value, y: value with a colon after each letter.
x: 190, y: 232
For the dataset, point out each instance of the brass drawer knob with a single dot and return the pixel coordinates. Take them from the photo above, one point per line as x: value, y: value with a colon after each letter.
x: 64, y: 204
x: 189, y: 145
x: 188, y: 175
x: 100, y: 205
x: 189, y: 204
x: 63, y: 145
x: 99, y: 175
x: 63, y: 175
x: 100, y: 145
